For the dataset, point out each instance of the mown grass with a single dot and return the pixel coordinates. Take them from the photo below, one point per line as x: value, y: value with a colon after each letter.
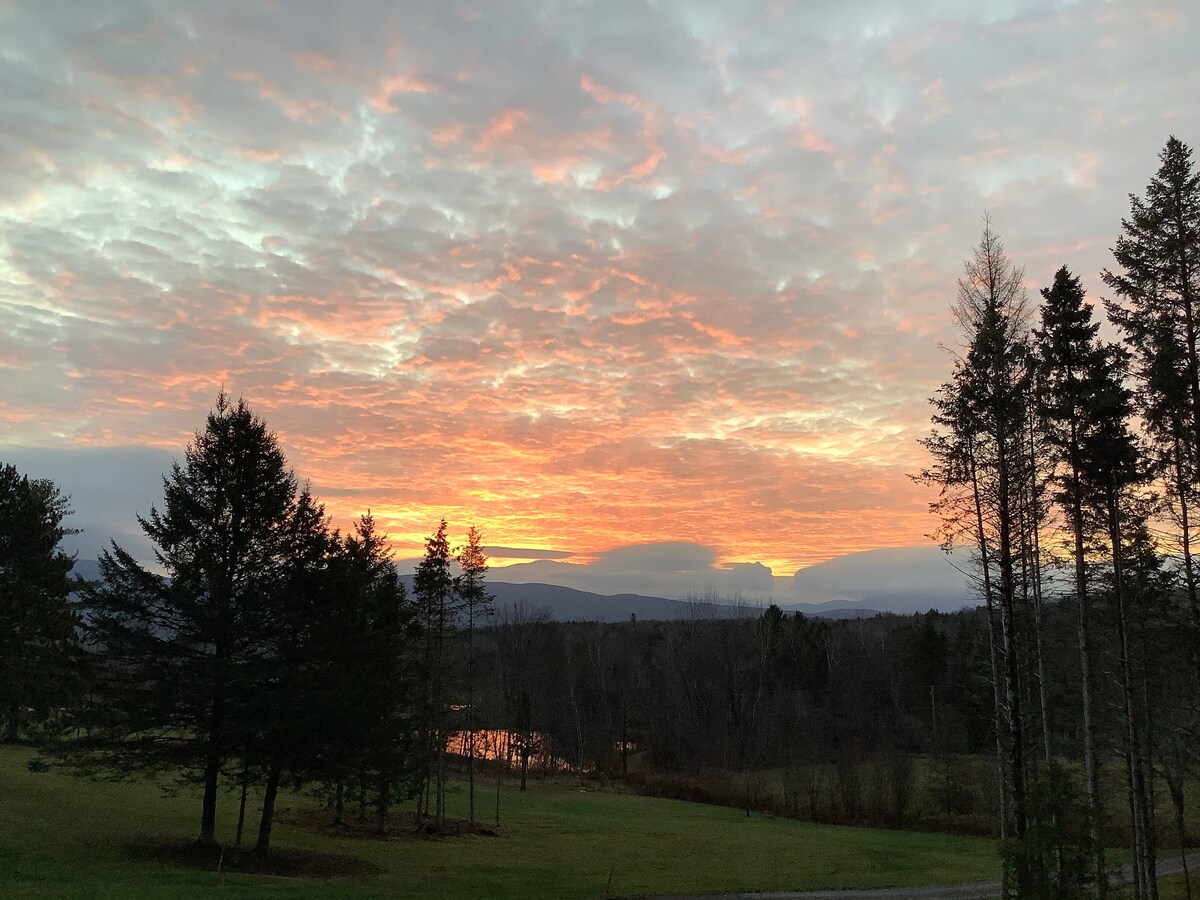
x: 63, y: 836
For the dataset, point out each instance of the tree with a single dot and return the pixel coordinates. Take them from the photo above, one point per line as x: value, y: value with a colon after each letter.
x: 434, y: 587
x: 473, y: 597
x: 280, y: 710
x: 1070, y: 361
x: 981, y: 416
x: 175, y: 653
x: 1159, y: 289
x: 385, y: 687
x: 38, y: 620
x: 520, y: 647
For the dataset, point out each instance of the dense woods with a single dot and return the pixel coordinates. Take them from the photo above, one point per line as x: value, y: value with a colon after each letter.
x: 265, y: 649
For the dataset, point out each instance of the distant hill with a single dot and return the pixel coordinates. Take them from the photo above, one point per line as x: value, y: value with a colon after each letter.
x: 570, y: 605
x: 860, y: 585
x: 897, y: 580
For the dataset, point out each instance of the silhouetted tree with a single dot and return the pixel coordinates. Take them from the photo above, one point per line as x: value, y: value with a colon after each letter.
x: 1158, y: 284
x: 175, y: 652
x: 980, y: 460
x: 388, y: 670
x: 434, y: 589
x: 1071, y: 362
x: 38, y: 620
x: 282, y: 709
x: 473, y: 597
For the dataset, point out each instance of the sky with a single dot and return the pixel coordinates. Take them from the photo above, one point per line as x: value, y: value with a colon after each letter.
x: 664, y: 283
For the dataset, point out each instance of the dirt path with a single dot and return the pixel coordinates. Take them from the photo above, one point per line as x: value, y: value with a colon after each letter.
x: 1168, y: 864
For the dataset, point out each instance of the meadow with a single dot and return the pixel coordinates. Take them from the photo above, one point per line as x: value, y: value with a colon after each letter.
x: 65, y: 836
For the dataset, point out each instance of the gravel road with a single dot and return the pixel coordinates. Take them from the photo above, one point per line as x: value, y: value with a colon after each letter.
x: 1168, y: 864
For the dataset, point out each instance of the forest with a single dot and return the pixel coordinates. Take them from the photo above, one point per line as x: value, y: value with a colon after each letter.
x: 265, y: 650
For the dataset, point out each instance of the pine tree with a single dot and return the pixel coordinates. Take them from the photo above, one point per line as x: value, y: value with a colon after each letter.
x: 978, y: 446
x: 434, y: 587
x: 1069, y: 356
x: 1159, y: 288
x: 474, y: 598
x: 386, y: 702
x: 281, y: 706
x: 38, y: 620
x: 175, y: 655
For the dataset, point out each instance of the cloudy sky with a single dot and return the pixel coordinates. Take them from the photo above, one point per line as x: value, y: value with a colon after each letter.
x: 589, y: 275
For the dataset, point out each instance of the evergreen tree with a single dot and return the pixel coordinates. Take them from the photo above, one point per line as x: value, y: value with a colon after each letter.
x: 177, y: 654
x: 1069, y: 361
x: 1159, y: 288
x: 477, y: 602
x: 385, y: 702
x: 978, y: 446
x: 281, y: 702
x: 38, y: 620
x: 434, y: 587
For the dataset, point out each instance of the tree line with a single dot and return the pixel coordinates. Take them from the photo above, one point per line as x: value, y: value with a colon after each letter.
x: 1067, y: 460
x: 264, y: 648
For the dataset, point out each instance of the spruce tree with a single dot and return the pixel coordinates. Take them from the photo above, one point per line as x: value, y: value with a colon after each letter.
x: 177, y: 654
x: 434, y: 587
x: 978, y: 446
x: 477, y: 602
x: 386, y: 692
x: 1069, y: 356
x: 282, y: 697
x: 1158, y: 289
x: 38, y: 620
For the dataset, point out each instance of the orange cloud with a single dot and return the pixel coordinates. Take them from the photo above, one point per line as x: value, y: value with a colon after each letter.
x: 502, y: 125
x: 391, y: 85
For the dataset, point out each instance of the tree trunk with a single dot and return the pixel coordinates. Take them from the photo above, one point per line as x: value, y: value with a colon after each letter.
x: 214, y: 751
x: 499, y: 769
x: 263, y: 847
x: 989, y: 600
x: 441, y: 783
x: 208, y: 808
x: 1174, y: 781
x: 241, y: 823
x: 524, y: 761
x: 1091, y: 772
x: 1143, y: 854
x: 471, y: 712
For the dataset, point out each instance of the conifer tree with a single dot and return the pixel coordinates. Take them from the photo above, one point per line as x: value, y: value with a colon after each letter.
x: 1158, y: 286
x: 175, y: 655
x: 980, y: 464
x: 38, y: 620
x: 434, y: 587
x: 1069, y: 360
x: 385, y: 704
x: 281, y: 703
x: 477, y: 602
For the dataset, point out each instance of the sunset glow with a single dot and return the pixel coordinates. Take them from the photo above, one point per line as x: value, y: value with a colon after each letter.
x: 584, y: 277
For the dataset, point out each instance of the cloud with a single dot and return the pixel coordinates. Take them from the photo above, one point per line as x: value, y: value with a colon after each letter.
x: 674, y: 569
x: 586, y: 276
x: 525, y: 553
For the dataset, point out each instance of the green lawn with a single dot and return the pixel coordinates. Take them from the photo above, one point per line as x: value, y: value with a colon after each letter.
x: 62, y: 836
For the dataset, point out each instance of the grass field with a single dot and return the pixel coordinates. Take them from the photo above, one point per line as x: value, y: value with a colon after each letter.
x: 62, y: 836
